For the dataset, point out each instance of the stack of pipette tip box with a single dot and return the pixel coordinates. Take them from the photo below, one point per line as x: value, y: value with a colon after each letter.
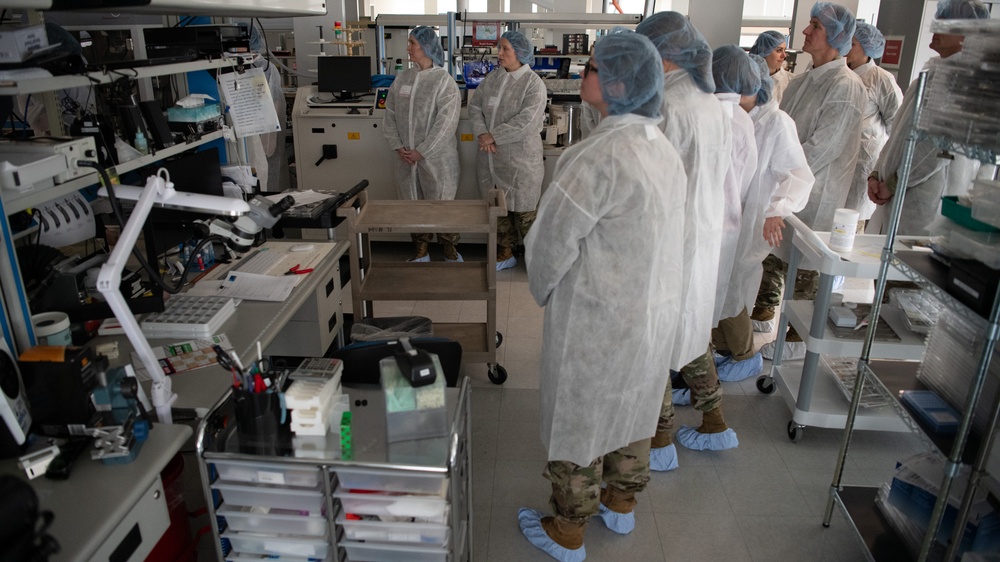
x: 317, y: 404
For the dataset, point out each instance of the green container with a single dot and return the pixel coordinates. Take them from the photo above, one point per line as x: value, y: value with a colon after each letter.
x: 962, y: 215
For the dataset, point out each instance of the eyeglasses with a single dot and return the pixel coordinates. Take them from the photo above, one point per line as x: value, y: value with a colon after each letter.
x: 589, y: 68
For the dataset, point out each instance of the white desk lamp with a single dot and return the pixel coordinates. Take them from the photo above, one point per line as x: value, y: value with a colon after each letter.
x: 158, y: 191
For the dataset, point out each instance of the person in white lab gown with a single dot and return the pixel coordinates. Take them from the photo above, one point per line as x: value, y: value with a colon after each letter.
x: 771, y: 46
x: 884, y: 97
x: 698, y: 126
x: 421, y: 118
x: 603, y: 258
x: 507, y: 112
x: 931, y: 177
x: 780, y: 187
x: 826, y: 105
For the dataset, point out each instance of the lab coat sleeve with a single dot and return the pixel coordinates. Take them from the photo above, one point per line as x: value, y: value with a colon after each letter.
x: 476, y: 117
x: 389, y: 122
x: 445, y: 121
x: 837, y: 130
x: 555, y: 237
x: 526, y: 121
x: 890, y: 97
x: 791, y: 171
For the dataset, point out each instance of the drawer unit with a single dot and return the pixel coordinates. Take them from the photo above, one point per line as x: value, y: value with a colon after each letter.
x: 393, y: 481
x: 383, y: 552
x: 429, y: 534
x: 305, y: 500
x: 427, y: 508
x: 325, y: 300
x: 283, y: 522
x: 266, y: 473
x: 278, y: 545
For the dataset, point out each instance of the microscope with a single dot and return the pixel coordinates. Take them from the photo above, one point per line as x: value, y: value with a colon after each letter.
x: 239, y: 232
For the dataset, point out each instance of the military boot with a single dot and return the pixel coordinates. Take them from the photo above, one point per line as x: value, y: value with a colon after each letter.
x: 564, y: 532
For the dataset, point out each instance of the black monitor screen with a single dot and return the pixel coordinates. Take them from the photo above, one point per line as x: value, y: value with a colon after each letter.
x: 345, y: 76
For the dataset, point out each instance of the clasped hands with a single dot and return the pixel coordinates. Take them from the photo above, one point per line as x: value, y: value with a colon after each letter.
x: 878, y: 190
x: 487, y: 144
x: 409, y: 156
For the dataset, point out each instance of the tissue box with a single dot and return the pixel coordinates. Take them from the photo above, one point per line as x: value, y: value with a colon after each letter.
x: 413, y: 413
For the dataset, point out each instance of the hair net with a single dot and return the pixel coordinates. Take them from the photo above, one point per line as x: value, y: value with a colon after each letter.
x: 766, y: 83
x: 839, y: 23
x: 631, y: 74
x: 523, y: 48
x: 430, y: 43
x: 734, y: 72
x: 871, y: 39
x: 767, y: 42
x: 961, y: 10
x: 679, y: 42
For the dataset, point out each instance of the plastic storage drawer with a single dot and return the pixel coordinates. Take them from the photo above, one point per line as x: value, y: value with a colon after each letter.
x: 430, y: 508
x: 278, y: 545
x: 235, y: 556
x: 303, y: 500
x: 430, y: 534
x: 263, y: 473
x: 393, y: 481
x: 382, y: 552
x: 243, y: 519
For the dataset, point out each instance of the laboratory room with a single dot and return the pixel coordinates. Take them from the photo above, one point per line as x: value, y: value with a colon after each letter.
x: 499, y: 280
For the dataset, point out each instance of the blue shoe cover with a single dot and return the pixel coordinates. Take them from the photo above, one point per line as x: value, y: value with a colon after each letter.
x: 531, y: 525
x: 507, y: 263
x: 735, y: 371
x: 663, y: 459
x: 719, y: 358
x: 421, y: 259
x: 458, y: 259
x: 682, y: 396
x: 690, y: 438
x: 621, y: 523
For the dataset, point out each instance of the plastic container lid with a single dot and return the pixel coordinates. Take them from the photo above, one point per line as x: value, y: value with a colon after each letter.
x: 49, y: 323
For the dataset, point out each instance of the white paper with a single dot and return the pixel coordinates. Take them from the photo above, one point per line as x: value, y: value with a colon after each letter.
x: 307, y: 197
x: 250, y: 105
x: 194, y: 100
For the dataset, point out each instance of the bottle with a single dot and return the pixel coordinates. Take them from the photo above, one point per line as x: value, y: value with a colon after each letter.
x: 140, y: 143
x: 399, y: 66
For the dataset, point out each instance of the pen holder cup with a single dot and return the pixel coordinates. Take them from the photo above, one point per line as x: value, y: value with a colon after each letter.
x: 258, y: 420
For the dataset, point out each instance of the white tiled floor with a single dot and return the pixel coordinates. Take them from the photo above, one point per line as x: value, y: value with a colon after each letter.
x: 763, y: 501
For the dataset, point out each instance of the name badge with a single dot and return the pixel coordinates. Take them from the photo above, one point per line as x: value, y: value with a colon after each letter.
x: 405, y: 90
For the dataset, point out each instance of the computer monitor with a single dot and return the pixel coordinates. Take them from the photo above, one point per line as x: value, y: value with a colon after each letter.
x: 345, y: 77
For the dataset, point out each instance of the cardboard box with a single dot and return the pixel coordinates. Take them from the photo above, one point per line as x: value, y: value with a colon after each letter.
x: 17, y: 44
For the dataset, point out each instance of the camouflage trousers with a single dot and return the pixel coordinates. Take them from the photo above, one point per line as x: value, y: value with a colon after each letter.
x: 706, y: 395
x: 508, y: 228
x: 422, y: 240
x: 773, y: 281
x: 735, y: 336
x: 576, y: 490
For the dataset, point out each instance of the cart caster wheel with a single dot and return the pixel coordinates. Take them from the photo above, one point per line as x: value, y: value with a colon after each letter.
x: 499, y: 339
x: 795, y: 431
x: 497, y: 374
x: 765, y: 384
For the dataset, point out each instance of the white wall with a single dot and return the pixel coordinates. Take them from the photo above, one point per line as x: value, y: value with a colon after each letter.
x: 718, y: 20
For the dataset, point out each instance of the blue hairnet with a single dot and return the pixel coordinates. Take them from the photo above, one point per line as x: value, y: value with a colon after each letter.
x: 961, y: 10
x: 839, y: 23
x: 523, y: 48
x: 677, y: 41
x: 767, y: 42
x: 430, y: 43
x: 871, y: 39
x: 734, y: 72
x: 766, y: 83
x: 631, y: 74
x: 256, y: 40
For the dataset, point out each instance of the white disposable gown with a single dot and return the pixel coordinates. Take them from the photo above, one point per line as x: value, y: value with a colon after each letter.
x: 780, y: 187
x: 421, y: 113
x: 781, y: 79
x: 826, y: 105
x: 511, y: 107
x: 736, y: 184
x: 698, y: 127
x: 931, y: 177
x: 603, y: 258
x: 884, y: 97
x: 266, y: 153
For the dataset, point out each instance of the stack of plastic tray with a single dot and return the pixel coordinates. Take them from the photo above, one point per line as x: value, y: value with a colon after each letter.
x: 920, y: 309
x: 272, y: 510
x: 964, y: 89
x: 986, y: 201
x: 962, y: 242
x: 951, y: 360
x: 393, y: 515
x: 189, y: 317
x: 846, y: 371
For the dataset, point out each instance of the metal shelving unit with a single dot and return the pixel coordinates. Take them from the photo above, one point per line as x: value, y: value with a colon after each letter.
x: 857, y: 503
